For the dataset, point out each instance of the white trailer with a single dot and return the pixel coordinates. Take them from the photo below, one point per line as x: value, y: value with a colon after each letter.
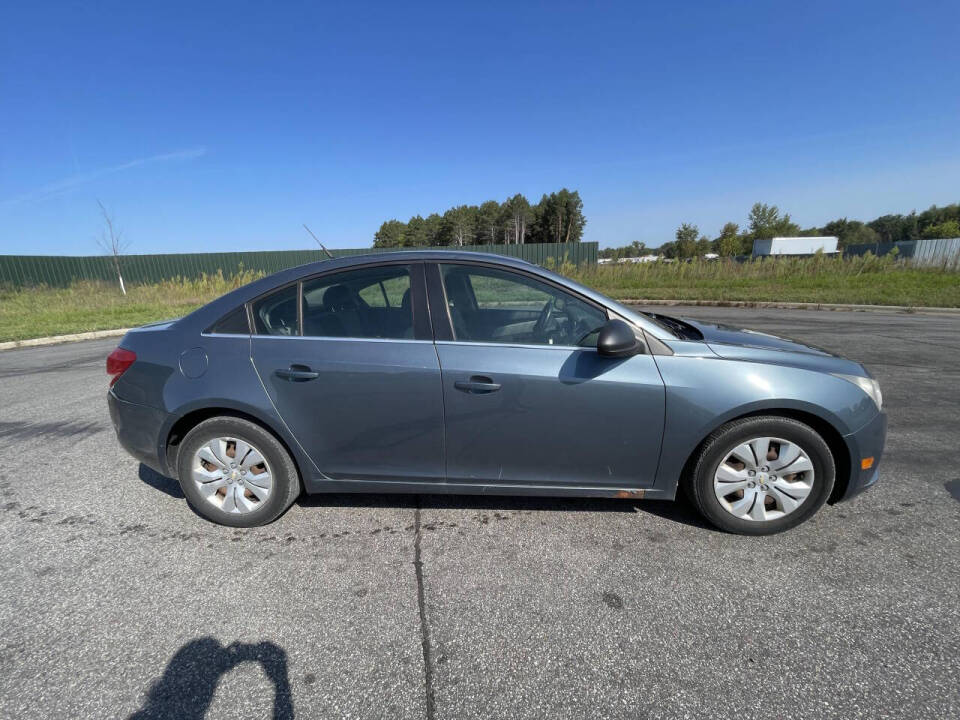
x: 795, y: 245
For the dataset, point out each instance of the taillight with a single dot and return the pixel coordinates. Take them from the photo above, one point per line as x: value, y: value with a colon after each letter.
x: 117, y: 363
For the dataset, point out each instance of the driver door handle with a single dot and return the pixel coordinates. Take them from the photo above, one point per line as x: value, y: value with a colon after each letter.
x: 477, y: 385
x: 297, y: 373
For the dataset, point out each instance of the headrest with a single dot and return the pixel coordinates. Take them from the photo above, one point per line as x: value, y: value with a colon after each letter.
x: 340, y: 297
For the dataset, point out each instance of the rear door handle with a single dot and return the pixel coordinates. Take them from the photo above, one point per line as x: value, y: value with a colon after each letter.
x: 297, y: 373
x: 477, y: 385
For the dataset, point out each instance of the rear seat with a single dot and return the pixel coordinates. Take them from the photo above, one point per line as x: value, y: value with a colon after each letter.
x: 343, y: 314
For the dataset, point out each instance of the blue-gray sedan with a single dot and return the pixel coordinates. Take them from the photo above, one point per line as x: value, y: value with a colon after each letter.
x: 453, y: 372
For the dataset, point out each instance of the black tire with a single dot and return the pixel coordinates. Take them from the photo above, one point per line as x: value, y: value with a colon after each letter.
x: 286, y: 479
x: 699, y: 485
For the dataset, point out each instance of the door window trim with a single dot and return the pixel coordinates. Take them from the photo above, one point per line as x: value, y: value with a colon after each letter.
x: 332, y: 338
x: 443, y: 324
x: 519, y: 346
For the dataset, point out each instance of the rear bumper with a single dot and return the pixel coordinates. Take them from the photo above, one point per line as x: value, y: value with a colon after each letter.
x: 868, y: 441
x: 138, y: 430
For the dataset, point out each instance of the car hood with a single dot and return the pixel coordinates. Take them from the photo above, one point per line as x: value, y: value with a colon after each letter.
x: 733, y: 343
x: 722, y: 338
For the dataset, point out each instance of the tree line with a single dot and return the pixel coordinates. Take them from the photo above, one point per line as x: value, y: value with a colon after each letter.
x: 767, y: 221
x: 558, y: 217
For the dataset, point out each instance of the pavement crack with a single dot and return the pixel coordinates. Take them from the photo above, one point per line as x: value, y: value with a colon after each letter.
x: 424, y: 627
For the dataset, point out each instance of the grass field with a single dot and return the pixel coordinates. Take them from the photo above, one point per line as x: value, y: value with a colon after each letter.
x: 39, y: 312
x: 867, y: 280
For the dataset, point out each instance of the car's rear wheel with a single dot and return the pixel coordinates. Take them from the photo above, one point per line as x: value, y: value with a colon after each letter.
x: 761, y: 475
x: 235, y: 473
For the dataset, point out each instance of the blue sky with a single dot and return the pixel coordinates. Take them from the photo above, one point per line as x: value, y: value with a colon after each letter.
x: 208, y: 127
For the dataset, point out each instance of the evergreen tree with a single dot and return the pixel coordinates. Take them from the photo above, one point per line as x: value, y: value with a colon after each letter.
x: 390, y: 234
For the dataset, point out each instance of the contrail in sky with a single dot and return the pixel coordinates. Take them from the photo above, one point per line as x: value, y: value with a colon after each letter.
x: 70, y: 183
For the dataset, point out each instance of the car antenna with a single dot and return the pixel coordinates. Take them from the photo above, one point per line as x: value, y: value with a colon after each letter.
x: 329, y: 254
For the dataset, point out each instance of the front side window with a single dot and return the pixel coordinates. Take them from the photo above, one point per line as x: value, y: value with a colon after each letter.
x: 491, y: 305
x: 366, y: 303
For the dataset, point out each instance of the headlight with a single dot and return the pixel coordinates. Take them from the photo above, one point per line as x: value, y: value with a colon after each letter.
x: 870, y: 386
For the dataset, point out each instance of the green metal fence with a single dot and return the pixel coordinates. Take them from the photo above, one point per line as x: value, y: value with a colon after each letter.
x: 61, y: 270
x: 927, y: 252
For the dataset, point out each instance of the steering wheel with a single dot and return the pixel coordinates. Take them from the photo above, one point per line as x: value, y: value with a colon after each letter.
x: 546, y: 315
x: 280, y: 326
x: 276, y: 318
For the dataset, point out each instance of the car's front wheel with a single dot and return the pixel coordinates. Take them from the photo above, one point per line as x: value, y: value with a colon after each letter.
x: 761, y: 475
x: 235, y: 473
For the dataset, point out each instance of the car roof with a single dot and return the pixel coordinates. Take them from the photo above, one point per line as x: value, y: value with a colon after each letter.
x: 412, y: 255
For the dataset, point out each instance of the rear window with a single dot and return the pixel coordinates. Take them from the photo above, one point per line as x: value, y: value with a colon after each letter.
x: 233, y: 323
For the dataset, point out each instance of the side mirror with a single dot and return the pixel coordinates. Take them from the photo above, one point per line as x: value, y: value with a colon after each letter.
x: 617, y: 340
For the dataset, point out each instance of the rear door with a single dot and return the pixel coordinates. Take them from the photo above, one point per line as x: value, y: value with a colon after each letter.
x: 348, y: 359
x: 528, y: 400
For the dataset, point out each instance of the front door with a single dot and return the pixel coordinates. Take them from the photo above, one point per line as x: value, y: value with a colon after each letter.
x: 350, y: 365
x: 528, y: 400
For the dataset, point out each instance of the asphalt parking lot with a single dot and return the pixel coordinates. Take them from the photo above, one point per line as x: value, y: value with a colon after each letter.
x: 116, y: 600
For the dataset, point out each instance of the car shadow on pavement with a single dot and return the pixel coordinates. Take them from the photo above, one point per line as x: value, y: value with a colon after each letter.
x: 953, y: 487
x: 160, y: 482
x: 190, y: 679
x: 678, y: 511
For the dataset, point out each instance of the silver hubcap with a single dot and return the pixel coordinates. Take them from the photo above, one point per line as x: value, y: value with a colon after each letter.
x: 763, y: 479
x: 232, y: 475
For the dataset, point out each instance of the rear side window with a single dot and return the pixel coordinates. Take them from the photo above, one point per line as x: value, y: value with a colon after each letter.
x: 276, y: 313
x: 233, y: 323
x: 367, y: 303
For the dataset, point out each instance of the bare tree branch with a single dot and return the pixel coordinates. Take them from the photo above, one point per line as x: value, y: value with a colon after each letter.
x: 112, y: 242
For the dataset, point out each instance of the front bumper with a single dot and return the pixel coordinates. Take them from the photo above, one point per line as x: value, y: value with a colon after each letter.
x: 138, y: 429
x: 868, y: 441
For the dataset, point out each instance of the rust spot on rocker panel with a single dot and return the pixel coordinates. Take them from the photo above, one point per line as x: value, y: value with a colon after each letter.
x: 630, y: 494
